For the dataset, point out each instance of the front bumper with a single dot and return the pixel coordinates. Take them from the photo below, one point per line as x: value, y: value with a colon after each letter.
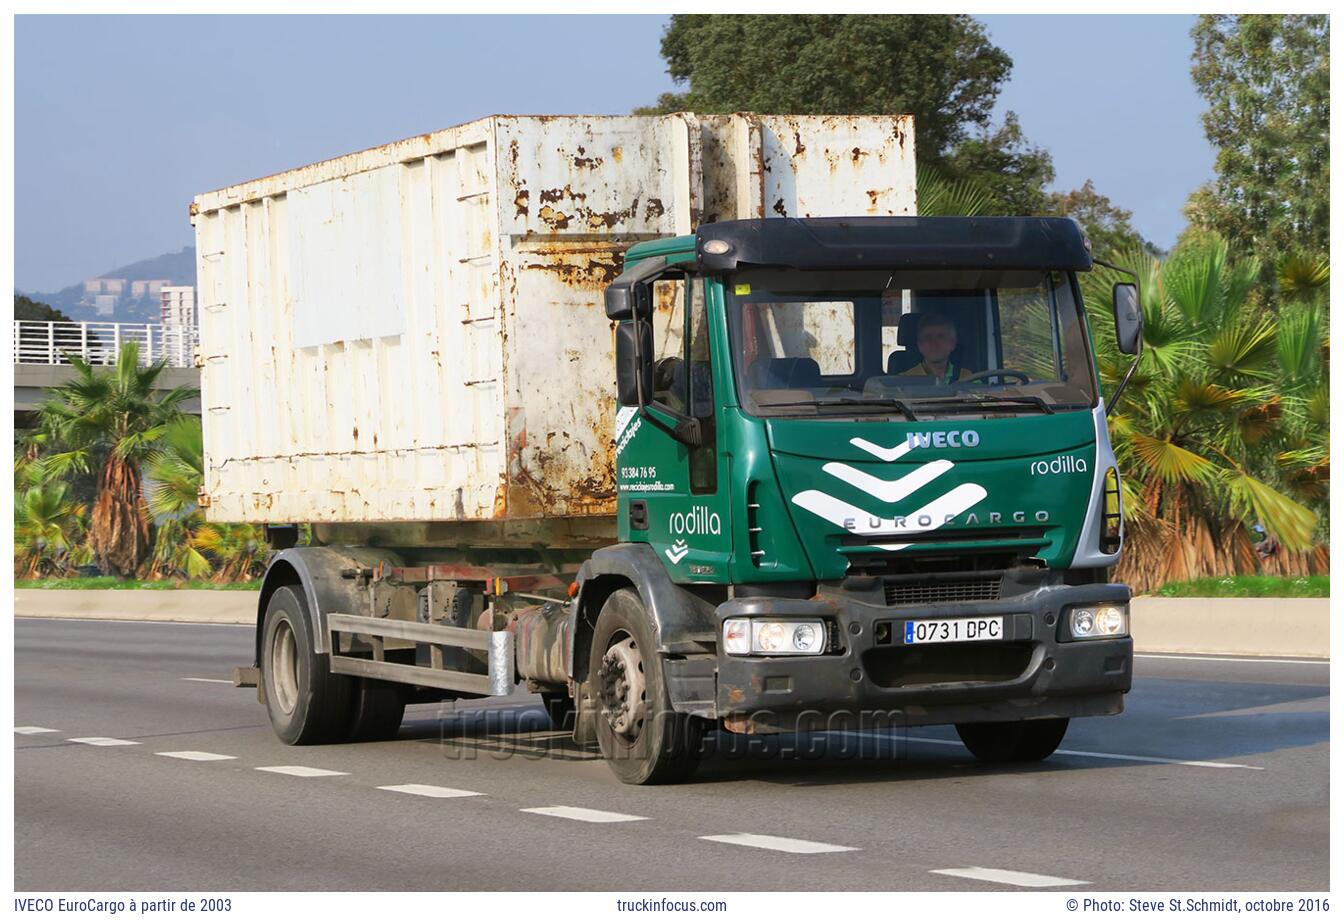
x: 874, y: 679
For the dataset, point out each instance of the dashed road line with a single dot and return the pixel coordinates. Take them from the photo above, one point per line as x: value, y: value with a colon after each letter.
x: 103, y: 742
x: 195, y: 755
x: 208, y: 680
x: 782, y: 844
x: 583, y: 814
x: 291, y: 770
x: 1009, y: 877
x: 1213, y: 764
x: 33, y: 730
x: 432, y: 792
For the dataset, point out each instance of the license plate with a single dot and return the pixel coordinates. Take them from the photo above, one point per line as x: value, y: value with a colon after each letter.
x: 967, y: 629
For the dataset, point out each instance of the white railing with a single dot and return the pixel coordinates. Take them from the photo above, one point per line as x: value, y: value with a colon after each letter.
x: 37, y: 342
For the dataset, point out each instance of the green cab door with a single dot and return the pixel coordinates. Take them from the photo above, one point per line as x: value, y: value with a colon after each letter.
x: 672, y: 495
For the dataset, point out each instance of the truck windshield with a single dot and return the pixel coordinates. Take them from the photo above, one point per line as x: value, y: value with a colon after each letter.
x: 918, y: 343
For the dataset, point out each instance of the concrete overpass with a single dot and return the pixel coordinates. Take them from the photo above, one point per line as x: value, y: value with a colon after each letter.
x: 42, y: 350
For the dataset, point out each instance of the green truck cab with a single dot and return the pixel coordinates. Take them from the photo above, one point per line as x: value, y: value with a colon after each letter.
x: 864, y: 481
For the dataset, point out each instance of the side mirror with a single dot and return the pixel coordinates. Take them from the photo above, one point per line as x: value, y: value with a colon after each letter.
x: 629, y: 293
x: 619, y: 302
x: 634, y: 365
x: 1128, y: 318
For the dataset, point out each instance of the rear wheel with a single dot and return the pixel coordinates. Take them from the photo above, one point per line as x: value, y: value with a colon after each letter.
x: 376, y: 710
x: 1013, y: 742
x: 307, y: 704
x: 642, y: 739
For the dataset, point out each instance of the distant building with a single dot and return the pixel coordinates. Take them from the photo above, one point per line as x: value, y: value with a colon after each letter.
x: 96, y: 286
x: 105, y: 304
x: 177, y: 305
x: 150, y: 288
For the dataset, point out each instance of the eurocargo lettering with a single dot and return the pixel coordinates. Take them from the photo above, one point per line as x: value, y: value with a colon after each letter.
x: 411, y: 350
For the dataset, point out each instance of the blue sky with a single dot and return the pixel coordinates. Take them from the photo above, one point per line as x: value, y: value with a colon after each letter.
x: 120, y: 120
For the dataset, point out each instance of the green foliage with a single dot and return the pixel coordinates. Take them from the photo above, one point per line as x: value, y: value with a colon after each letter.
x: 48, y: 525
x: 1012, y: 170
x: 1250, y: 586
x: 941, y: 196
x: 110, y: 419
x: 106, y: 583
x: 1107, y: 226
x: 184, y: 544
x: 27, y: 309
x: 942, y: 69
x: 1223, y: 425
x: 1267, y: 81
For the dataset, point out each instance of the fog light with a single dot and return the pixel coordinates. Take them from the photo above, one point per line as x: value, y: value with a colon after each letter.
x: 737, y: 637
x: 1102, y: 622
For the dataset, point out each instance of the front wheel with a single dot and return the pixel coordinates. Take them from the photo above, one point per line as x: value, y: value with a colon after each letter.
x: 1013, y: 742
x: 642, y: 739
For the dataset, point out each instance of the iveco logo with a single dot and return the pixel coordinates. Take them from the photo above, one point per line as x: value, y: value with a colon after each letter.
x: 942, y: 439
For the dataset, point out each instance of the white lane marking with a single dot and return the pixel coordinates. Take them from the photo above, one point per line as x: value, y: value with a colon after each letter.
x: 207, y: 680
x: 1244, y: 660
x: 102, y: 742
x: 1215, y: 764
x: 33, y: 730
x: 583, y: 814
x: 301, y: 771
x: 433, y: 792
x: 1009, y: 877
x: 195, y: 755
x: 782, y: 844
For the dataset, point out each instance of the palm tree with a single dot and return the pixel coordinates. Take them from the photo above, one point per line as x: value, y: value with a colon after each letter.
x: 185, y: 544
x: 1222, y: 426
x: 942, y: 196
x: 173, y: 476
x: 48, y: 525
x: 110, y: 419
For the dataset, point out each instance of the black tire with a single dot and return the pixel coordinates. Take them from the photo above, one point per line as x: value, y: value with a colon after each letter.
x: 307, y: 704
x: 1013, y: 742
x: 642, y: 739
x: 559, y: 707
x: 376, y: 710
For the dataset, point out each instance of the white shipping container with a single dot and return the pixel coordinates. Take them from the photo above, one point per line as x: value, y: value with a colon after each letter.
x: 416, y: 332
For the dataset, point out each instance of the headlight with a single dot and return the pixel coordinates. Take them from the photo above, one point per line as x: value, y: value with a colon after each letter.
x: 1103, y: 621
x: 742, y: 636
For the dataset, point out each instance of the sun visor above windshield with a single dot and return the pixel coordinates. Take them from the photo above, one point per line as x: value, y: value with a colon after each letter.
x: 893, y: 243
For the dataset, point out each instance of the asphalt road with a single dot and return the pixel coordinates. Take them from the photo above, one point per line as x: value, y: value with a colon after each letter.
x: 1215, y: 778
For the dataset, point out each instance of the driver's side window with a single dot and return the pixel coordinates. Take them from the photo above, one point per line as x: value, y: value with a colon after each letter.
x: 669, y: 326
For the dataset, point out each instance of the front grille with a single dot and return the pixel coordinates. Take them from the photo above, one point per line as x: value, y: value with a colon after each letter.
x: 949, y: 591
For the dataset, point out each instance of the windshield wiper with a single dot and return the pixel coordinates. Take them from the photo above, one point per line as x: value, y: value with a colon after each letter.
x: 894, y: 402
x: 876, y: 402
x: 985, y: 401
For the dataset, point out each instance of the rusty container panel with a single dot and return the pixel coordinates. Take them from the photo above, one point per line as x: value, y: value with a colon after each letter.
x: 415, y: 333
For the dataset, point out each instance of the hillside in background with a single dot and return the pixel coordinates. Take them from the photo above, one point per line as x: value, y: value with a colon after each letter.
x: 177, y: 267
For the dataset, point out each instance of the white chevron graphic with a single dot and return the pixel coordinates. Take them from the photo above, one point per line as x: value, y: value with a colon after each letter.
x: 889, y: 490
x: 936, y: 512
x: 882, y: 453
